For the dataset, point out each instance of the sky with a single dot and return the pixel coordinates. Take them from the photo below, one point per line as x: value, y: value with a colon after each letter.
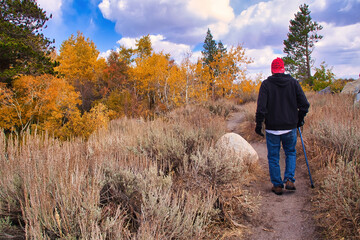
x: 179, y: 27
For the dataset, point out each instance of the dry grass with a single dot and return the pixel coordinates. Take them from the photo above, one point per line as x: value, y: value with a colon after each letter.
x: 247, y: 127
x: 221, y: 107
x: 136, y: 179
x: 333, y: 137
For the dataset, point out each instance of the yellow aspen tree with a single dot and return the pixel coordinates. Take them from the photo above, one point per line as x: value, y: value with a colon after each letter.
x: 151, y: 77
x: 80, y: 65
x: 228, y: 68
x: 144, y: 47
x: 190, y: 75
x: 177, y: 87
x: 84, y: 125
x: 248, y: 89
x: 204, y: 82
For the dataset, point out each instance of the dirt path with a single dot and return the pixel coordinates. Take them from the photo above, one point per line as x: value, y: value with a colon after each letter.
x: 281, y: 217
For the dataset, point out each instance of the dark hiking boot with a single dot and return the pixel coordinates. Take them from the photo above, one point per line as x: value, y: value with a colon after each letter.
x: 290, y: 185
x: 277, y: 190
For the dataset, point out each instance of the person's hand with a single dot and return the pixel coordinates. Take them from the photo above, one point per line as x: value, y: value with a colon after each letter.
x: 301, y: 121
x: 258, y: 130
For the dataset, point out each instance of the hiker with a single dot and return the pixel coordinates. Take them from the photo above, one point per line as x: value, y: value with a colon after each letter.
x: 283, y: 105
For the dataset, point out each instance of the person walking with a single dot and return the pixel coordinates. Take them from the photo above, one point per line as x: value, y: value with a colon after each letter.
x: 283, y: 105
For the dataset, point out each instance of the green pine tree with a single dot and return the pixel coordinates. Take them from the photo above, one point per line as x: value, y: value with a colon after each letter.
x: 300, y: 44
x: 23, y: 48
x: 210, y: 48
x: 221, y: 48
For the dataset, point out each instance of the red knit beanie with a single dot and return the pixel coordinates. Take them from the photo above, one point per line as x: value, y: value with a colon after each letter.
x: 277, y: 66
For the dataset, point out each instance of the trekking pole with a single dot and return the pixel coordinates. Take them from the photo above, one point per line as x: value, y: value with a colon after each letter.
x: 307, y: 163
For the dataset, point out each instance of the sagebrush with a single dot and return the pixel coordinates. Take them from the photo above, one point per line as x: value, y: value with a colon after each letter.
x: 135, y: 179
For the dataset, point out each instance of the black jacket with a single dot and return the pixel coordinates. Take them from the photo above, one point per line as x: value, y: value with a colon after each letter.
x: 281, y: 102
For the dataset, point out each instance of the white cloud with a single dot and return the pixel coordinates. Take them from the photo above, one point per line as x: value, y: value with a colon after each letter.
x: 195, y: 56
x: 262, y: 59
x: 265, y: 23
x: 105, y: 8
x: 318, y: 5
x: 128, y: 42
x: 177, y: 51
x: 52, y: 7
x: 160, y: 44
x: 183, y: 21
x: 340, y: 48
x: 177, y: 25
x: 344, y: 37
x: 348, y: 5
x: 208, y: 9
x: 105, y: 54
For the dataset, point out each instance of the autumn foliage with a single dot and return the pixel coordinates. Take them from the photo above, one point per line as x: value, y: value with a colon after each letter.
x: 88, y: 91
x: 43, y: 102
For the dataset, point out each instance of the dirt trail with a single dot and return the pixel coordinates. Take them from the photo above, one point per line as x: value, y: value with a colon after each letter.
x: 281, y: 217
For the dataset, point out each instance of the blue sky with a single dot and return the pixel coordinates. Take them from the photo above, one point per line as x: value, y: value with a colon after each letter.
x: 179, y: 27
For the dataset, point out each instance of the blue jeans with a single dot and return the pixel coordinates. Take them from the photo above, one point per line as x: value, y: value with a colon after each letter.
x: 288, y: 141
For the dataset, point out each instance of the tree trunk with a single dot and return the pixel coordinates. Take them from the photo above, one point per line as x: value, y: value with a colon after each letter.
x: 186, y: 90
x: 308, y: 70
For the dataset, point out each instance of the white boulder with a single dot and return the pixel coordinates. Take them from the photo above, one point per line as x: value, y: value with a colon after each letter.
x: 232, y: 143
x: 352, y: 87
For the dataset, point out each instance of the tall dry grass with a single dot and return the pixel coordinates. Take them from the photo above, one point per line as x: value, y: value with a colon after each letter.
x: 332, y: 134
x: 136, y: 179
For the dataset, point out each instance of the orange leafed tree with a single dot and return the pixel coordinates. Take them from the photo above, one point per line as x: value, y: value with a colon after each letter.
x: 118, y: 88
x: 44, y: 102
x: 115, y: 74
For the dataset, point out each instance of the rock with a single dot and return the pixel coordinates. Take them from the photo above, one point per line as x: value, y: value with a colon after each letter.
x: 357, y: 99
x: 352, y: 87
x: 325, y: 90
x: 233, y: 143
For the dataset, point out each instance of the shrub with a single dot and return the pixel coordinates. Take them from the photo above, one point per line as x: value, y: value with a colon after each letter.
x: 337, y: 85
x: 220, y: 107
x: 332, y: 131
x: 249, y: 89
x: 334, y: 124
x: 113, y: 186
x: 52, y: 189
x: 339, y: 201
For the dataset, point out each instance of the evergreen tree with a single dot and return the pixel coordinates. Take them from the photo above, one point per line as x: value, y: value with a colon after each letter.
x: 23, y: 48
x: 213, y: 54
x: 210, y: 48
x: 300, y: 44
x: 221, y: 49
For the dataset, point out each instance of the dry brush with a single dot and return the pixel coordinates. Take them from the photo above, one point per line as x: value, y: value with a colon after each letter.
x: 136, y: 179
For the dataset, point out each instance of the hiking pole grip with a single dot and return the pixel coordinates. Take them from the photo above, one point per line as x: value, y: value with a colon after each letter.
x: 307, y: 163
